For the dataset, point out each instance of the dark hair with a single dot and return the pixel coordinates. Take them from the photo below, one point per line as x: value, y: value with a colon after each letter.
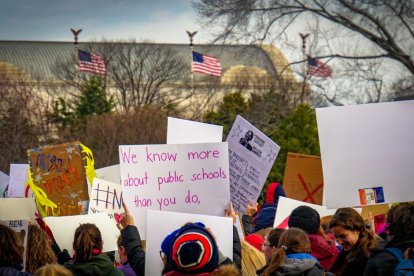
x: 274, y: 235
x: 293, y: 240
x: 11, y: 244
x: 38, y: 251
x: 87, y: 238
x: 400, y: 220
x: 349, y: 219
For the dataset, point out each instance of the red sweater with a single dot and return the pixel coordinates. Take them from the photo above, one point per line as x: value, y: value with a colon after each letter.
x: 325, y: 251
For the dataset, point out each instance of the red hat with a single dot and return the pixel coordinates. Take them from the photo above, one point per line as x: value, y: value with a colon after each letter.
x: 255, y: 240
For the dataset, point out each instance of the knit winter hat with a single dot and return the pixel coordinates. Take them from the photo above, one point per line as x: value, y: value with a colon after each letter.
x: 305, y: 218
x: 255, y: 240
x: 192, y: 250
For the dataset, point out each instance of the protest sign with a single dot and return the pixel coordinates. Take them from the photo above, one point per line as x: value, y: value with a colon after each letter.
x: 21, y: 227
x: 63, y: 229
x: 17, y: 208
x: 303, y: 178
x: 181, y: 131
x: 4, y: 182
x: 286, y: 205
x: 191, y: 178
x: 367, y: 153
x: 18, y: 177
x: 156, y: 232
x: 106, y: 197
x: 59, y: 179
x: 111, y: 174
x: 251, y: 156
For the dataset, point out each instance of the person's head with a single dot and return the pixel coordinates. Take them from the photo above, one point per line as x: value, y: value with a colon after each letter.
x: 53, y: 270
x: 122, y: 250
x: 350, y: 232
x: 305, y: 218
x: 400, y: 220
x: 11, y: 245
x: 39, y: 251
x: 252, y: 260
x: 248, y: 135
x: 87, y: 242
x: 271, y: 242
x: 191, y: 249
x: 293, y: 240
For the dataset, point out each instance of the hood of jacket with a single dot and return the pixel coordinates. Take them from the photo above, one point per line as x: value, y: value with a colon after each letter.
x: 297, y: 266
x: 97, y: 265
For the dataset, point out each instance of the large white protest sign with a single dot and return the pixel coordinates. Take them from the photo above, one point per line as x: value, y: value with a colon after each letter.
x: 367, y: 153
x: 106, y: 197
x: 17, y: 208
x: 111, y: 173
x: 156, y: 232
x: 190, y: 178
x: 286, y: 205
x: 251, y: 156
x: 63, y: 229
x: 4, y: 182
x: 181, y: 131
x: 18, y: 177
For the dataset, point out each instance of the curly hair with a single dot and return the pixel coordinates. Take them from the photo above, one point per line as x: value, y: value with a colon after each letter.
x: 349, y: 219
x: 39, y: 251
x: 87, y: 239
x: 11, y: 245
x: 400, y: 220
x: 293, y: 240
x: 53, y: 270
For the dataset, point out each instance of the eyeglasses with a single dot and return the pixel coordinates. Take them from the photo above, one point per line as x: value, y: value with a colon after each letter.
x: 264, y: 246
x: 162, y: 254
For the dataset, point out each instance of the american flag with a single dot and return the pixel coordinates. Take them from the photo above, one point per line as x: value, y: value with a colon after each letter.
x: 91, y: 63
x: 205, y: 64
x: 318, y: 69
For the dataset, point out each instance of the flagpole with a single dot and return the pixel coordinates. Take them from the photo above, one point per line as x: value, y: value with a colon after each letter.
x: 76, y: 33
x: 303, y: 37
x: 191, y: 35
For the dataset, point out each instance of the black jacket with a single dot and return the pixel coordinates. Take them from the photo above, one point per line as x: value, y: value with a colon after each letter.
x: 9, y: 270
x: 133, y: 246
x: 382, y: 262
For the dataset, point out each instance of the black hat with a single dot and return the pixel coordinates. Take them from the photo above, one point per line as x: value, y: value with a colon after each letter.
x: 305, y: 218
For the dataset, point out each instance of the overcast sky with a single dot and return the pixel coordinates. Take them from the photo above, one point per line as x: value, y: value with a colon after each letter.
x: 51, y: 20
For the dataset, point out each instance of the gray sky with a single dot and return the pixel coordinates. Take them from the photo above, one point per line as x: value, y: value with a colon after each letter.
x: 155, y: 20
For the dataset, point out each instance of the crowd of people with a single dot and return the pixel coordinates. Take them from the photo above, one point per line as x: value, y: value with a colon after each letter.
x: 342, y: 244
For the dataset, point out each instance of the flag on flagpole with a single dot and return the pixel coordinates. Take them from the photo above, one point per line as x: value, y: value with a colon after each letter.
x: 205, y: 64
x: 318, y: 68
x: 91, y: 63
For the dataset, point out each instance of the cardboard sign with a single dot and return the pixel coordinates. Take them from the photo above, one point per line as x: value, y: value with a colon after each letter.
x: 17, y: 209
x: 156, y: 232
x: 287, y: 205
x: 188, y: 132
x: 251, y: 156
x: 367, y: 153
x: 111, y: 174
x: 106, y: 197
x: 191, y: 178
x: 58, y: 173
x: 63, y: 229
x: 375, y: 210
x: 303, y: 178
x: 18, y: 177
x: 21, y: 227
x: 4, y: 182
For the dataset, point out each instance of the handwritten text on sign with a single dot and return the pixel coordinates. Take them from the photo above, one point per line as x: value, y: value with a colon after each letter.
x: 191, y: 178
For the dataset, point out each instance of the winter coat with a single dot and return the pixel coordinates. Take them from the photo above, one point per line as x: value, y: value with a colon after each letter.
x: 323, y: 250
x: 98, y: 265
x: 10, y: 270
x: 299, y: 264
x: 223, y: 270
x: 133, y: 245
x: 382, y: 262
x: 127, y: 269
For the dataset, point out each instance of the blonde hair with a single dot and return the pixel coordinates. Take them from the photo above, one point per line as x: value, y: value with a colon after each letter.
x: 38, y: 251
x: 53, y: 270
x: 252, y: 259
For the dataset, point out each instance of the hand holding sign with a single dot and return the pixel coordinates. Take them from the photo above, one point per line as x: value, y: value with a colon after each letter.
x: 229, y: 212
x: 127, y: 219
